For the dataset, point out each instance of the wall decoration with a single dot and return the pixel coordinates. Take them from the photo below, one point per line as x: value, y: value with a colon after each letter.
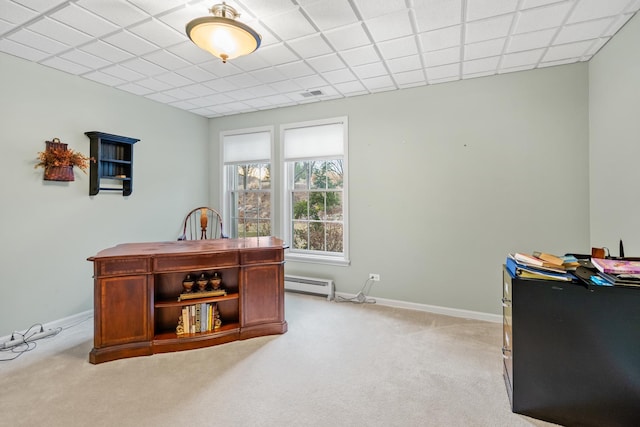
x: 58, y: 161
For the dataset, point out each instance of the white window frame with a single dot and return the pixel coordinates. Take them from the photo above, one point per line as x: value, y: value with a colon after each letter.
x: 287, y: 169
x: 225, y: 179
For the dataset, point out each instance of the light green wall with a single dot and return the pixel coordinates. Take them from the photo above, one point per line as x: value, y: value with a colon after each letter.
x: 445, y: 180
x: 49, y: 229
x: 614, y: 108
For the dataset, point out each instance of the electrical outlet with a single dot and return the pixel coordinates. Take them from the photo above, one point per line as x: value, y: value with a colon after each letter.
x: 374, y: 276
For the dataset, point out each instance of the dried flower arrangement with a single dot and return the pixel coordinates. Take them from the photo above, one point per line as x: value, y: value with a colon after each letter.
x: 57, y: 156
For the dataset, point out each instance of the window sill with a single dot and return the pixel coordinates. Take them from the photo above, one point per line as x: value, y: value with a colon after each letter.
x: 316, y: 259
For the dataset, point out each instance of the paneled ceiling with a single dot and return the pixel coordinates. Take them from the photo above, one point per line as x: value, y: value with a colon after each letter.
x: 312, y: 50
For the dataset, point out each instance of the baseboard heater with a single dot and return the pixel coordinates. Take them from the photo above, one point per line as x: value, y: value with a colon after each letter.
x: 310, y: 285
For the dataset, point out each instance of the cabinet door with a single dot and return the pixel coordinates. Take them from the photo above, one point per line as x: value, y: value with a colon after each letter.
x: 262, y: 294
x: 121, y: 310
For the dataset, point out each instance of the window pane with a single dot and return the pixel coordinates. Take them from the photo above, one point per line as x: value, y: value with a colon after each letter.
x: 317, y: 204
x: 300, y: 235
x: 335, y: 174
x: 240, y: 176
x: 300, y: 205
x: 334, y: 206
x: 334, y: 237
x: 317, y: 236
x: 318, y: 175
x: 265, y: 177
x: 301, y: 176
x: 253, y: 177
x: 264, y: 210
x: 264, y: 228
x: 240, y: 204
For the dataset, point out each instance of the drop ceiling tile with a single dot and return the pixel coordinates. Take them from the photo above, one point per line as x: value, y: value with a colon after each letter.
x: 348, y: 37
x: 407, y: 63
x: 130, y: 42
x: 161, y: 97
x: 565, y: 51
x: 484, y: 49
x: 480, y: 9
x: 360, y: 56
x: 596, y: 46
x: 339, y: 76
x: 379, y: 83
x: 190, y: 52
x: 583, y: 31
x: 216, y: 99
x: 440, y: 39
x: 179, y: 18
x: 122, y: 73
x: 60, y: 32
x: 184, y: 105
x: 37, y: 41
x: 15, y: 13
x: 166, y: 60
x: 487, y: 29
x: 243, y: 80
x: 156, y: 6
x: 286, y: 86
x: 199, y: 90
x: 618, y: 22
x: 327, y: 14
x: 397, y: 48
x: 289, y: 25
x: 444, y: 80
x: 480, y: 65
x: 83, y: 20
x: 515, y: 69
x: 268, y: 75
x: 154, y: 85
x: 38, y: 5
x: 219, y: 69
x: 519, y: 59
x: 135, y: 89
x: 375, y: 69
x: 372, y: 8
x: 533, y: 40
x: 103, y: 78
x: 434, y: 14
x: 442, y: 57
x: 351, y: 88
x: 144, y: 67
x: 106, y: 51
x: 325, y: 63
x: 542, y: 18
x: 310, y: 46
x: 264, y: 9
x: 443, y: 71
x: 249, y: 62
x: 5, y: 26
x: 21, y: 50
x: 120, y: 13
x: 528, y: 4
x: 179, y: 93
x: 174, y: 79
x: 410, y: 78
x: 196, y: 74
x: 83, y: 58
x: 593, y: 9
x: 261, y: 91
x: 277, y: 54
x: 158, y: 33
x: 390, y: 26
x: 559, y: 62
x: 310, y: 82
x: 295, y: 69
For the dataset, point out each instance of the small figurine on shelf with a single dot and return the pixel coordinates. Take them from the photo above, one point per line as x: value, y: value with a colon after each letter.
x: 215, y: 281
x: 180, y: 328
x: 217, y: 322
x: 187, y: 283
x: 202, y: 282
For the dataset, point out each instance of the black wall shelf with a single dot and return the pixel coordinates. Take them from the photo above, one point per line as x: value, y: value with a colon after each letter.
x: 113, y: 166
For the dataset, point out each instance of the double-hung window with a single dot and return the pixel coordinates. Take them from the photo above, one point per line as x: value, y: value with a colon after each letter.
x: 247, y: 182
x: 316, y: 197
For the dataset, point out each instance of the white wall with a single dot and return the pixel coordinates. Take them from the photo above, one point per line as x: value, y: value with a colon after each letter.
x: 614, y: 107
x: 445, y: 180
x: 49, y: 229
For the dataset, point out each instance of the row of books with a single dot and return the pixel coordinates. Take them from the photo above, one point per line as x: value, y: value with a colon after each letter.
x: 203, y: 317
x: 618, y: 271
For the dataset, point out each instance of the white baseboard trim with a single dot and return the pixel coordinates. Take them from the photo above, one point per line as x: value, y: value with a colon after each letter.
x: 63, y: 323
x: 455, y: 312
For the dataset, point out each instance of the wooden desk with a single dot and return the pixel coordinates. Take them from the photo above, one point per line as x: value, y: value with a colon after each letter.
x: 136, y: 289
x: 572, y: 354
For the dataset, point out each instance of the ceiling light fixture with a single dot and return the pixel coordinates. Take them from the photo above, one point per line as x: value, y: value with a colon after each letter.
x: 222, y: 35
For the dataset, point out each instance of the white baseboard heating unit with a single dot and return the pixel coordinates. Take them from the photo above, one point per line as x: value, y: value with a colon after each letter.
x: 310, y: 285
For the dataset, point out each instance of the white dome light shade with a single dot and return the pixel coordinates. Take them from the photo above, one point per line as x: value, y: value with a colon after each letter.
x: 223, y: 37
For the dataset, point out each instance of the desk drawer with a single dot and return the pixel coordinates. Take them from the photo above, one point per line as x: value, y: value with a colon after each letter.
x: 195, y: 262
x: 121, y: 266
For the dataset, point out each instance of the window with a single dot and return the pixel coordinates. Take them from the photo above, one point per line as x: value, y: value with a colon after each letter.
x: 247, y: 183
x: 315, y: 169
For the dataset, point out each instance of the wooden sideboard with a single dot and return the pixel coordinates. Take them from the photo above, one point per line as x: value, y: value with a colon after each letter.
x: 137, y: 285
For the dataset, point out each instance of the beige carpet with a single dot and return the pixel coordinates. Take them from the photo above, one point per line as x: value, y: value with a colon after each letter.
x: 340, y: 364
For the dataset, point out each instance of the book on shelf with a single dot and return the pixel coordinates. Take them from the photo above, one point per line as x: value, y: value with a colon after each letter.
x: 616, y: 266
x: 518, y: 269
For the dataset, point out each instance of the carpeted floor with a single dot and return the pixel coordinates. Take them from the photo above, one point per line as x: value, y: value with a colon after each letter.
x: 340, y: 364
